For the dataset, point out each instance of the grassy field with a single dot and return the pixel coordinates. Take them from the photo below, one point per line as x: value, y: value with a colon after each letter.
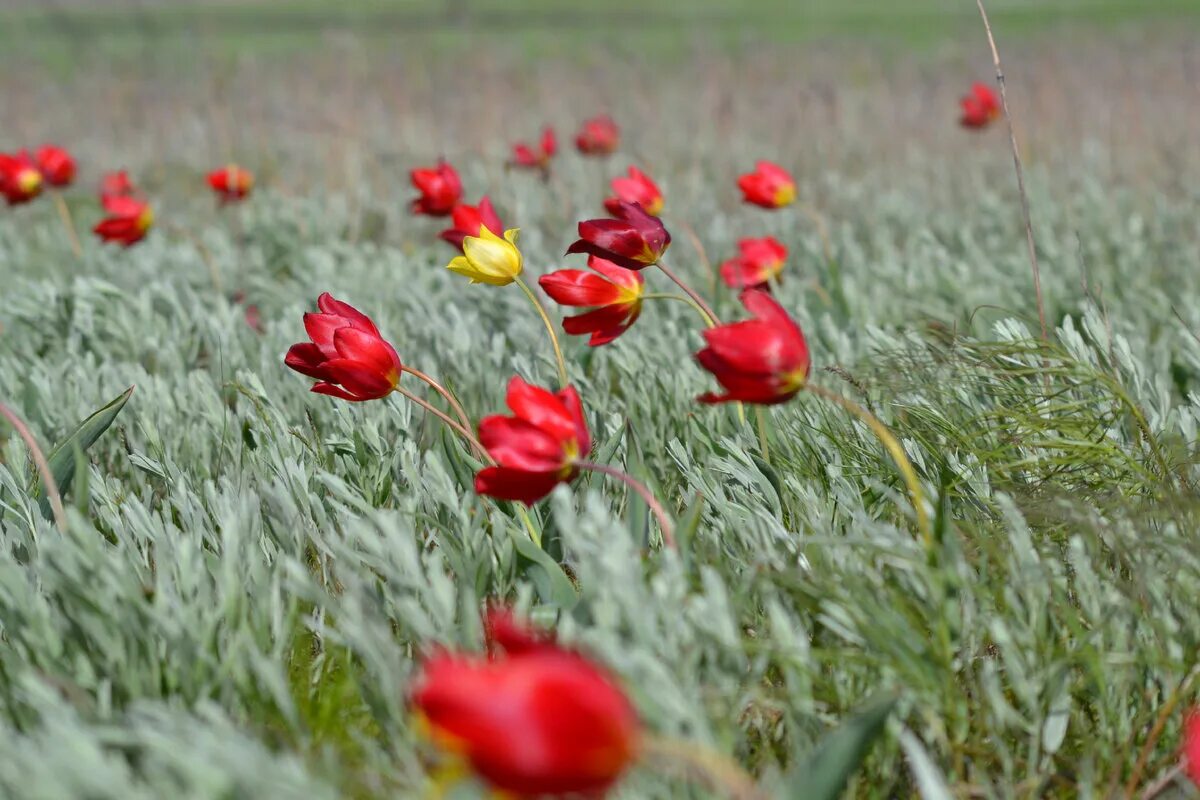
x: 250, y: 571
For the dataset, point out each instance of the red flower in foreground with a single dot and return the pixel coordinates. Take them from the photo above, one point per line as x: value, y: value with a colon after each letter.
x: 763, y: 360
x: 537, y: 448
x: 614, y: 295
x: 116, y: 184
x: 980, y: 108
x: 639, y: 188
x: 1191, y: 745
x: 347, y: 356
x: 128, y: 221
x: 634, y: 240
x: 469, y: 219
x: 539, y: 158
x: 769, y: 186
x: 231, y: 183
x: 760, y: 261
x: 536, y: 720
x: 56, y: 165
x: 598, y: 136
x: 20, y: 180
x: 440, y: 189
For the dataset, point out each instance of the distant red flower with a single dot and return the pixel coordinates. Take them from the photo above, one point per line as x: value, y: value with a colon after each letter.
x: 537, y: 448
x: 760, y: 261
x: 440, y: 189
x: 763, y: 360
x: 614, y: 295
x: 346, y: 354
x: 128, y: 221
x: 507, y: 634
x: 980, y: 108
x: 116, y: 184
x: 468, y: 220
x: 20, y: 180
x: 598, y: 136
x: 637, y: 187
x: 536, y: 158
x: 56, y: 165
x: 231, y: 183
x: 535, y: 720
x: 634, y: 240
x: 769, y: 186
x: 1191, y: 745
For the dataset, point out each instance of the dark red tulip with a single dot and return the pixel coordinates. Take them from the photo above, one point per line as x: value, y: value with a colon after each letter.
x: 116, y: 184
x: 231, y: 183
x: 634, y: 240
x: 980, y: 108
x: 128, y: 221
x: 20, y: 180
x: 539, y: 157
x: 636, y: 187
x: 440, y: 189
x: 598, y: 136
x: 613, y: 293
x: 535, y: 449
x: 56, y: 165
x: 769, y: 186
x: 469, y: 219
x: 763, y: 360
x: 1191, y: 745
x: 536, y: 720
x: 759, y: 261
x: 346, y: 354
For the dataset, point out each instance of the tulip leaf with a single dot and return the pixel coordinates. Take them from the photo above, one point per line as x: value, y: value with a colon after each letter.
x: 825, y: 771
x: 62, y: 459
x: 687, y: 526
x: 553, y: 584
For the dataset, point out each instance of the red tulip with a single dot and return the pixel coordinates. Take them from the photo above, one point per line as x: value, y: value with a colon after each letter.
x: 598, y: 136
x: 980, y: 108
x: 639, y: 188
x: 537, y: 720
x: 20, y: 180
x: 56, y: 165
x: 539, y: 158
x: 537, y: 448
x: 769, y: 186
x: 128, y: 221
x: 440, y: 189
x: 764, y: 360
x: 634, y: 240
x: 1191, y: 745
x: 760, y: 261
x: 347, y: 356
x: 116, y: 184
x: 231, y: 183
x: 469, y: 219
x: 506, y: 634
x: 614, y: 295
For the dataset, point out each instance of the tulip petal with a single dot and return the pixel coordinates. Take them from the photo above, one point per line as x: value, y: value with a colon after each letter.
x: 331, y: 305
x: 338, y: 392
x: 320, y: 329
x: 520, y: 444
x: 307, y: 359
x: 540, y: 408
x: 358, y: 378
x: 369, y: 350
x: 604, y: 324
x: 570, y: 400
x: 518, y: 485
x: 575, y: 287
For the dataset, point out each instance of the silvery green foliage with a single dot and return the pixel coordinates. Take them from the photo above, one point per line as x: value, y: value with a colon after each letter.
x: 245, y: 590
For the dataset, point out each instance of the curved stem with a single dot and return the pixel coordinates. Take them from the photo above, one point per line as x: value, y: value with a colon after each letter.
x: 690, y: 292
x: 664, y: 522
x: 1163, y: 783
x: 64, y: 213
x: 1156, y: 731
x: 443, y: 391
x: 541, y: 310
x: 894, y: 448
x: 43, y: 467
x: 698, y: 246
x: 708, y: 320
x: 721, y: 771
x: 444, y: 417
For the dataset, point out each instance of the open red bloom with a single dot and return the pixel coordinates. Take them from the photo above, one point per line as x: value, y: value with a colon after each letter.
x: 440, y: 189
x: 128, y: 221
x: 347, y: 356
x: 231, y: 183
x: 598, y: 136
x: 1191, y: 745
x: 56, y: 165
x: 634, y: 240
x: 536, y: 720
x: 20, y: 180
x: 769, y: 186
x: 763, y: 360
x: 116, y: 184
x: 539, y: 157
x: 614, y: 294
x: 760, y: 261
x: 537, y: 448
x: 639, y: 188
x: 469, y: 219
x: 980, y: 108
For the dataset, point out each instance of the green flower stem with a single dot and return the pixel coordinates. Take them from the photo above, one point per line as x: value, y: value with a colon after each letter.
x: 679, y: 298
x: 690, y: 292
x: 541, y: 310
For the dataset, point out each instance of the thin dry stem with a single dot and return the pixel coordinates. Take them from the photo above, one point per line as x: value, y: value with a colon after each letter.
x: 660, y: 513
x: 720, y: 771
x: 43, y: 467
x: 64, y: 213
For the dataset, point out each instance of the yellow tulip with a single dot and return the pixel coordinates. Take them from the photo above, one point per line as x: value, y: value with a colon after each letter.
x: 489, y: 259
